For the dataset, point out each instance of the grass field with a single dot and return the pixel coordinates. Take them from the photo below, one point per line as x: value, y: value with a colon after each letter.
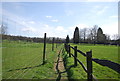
x: 0, y: 60
x: 98, y: 51
x: 22, y: 60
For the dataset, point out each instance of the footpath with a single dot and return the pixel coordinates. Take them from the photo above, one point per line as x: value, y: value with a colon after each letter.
x: 59, y: 68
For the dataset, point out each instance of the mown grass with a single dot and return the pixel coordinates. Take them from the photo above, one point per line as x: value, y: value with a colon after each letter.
x: 23, y: 60
x: 98, y: 51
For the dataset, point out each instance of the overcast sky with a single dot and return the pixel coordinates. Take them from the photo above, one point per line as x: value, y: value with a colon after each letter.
x: 58, y: 19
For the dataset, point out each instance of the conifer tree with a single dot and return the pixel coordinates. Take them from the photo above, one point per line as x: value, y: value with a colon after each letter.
x: 76, y: 37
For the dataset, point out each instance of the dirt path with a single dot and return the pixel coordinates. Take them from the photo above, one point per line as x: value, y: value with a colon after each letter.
x: 60, y: 69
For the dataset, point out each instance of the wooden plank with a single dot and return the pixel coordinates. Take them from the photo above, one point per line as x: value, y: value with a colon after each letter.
x: 81, y: 53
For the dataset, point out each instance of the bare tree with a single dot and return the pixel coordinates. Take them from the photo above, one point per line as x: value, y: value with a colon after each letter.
x: 3, y: 29
x: 94, y: 31
x: 83, y: 34
x: 116, y: 36
x: 92, y: 34
x: 107, y: 38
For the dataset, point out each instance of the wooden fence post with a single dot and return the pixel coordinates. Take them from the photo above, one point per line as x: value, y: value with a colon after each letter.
x: 66, y: 47
x: 69, y: 51
x: 89, y: 66
x: 56, y: 45
x: 75, y: 54
x: 44, y: 49
x: 53, y: 44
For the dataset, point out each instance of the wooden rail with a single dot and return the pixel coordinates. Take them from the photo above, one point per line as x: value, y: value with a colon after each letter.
x: 88, y: 55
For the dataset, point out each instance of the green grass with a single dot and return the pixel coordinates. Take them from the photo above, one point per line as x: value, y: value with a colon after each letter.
x: 98, y: 51
x: 18, y: 55
x: 0, y: 60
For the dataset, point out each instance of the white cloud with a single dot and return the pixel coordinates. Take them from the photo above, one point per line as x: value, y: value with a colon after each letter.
x: 55, y: 20
x: 13, y: 18
x: 59, y: 28
x: 33, y: 28
x: 31, y: 22
x: 52, y: 31
x: 81, y: 26
x: 114, y: 16
x: 46, y: 26
x: 99, y: 12
x: 28, y: 29
x: 69, y: 12
x: 23, y: 24
x: 48, y: 16
x: 110, y: 29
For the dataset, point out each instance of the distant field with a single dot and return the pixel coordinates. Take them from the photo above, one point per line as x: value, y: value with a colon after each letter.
x: 98, y: 51
x: 22, y: 60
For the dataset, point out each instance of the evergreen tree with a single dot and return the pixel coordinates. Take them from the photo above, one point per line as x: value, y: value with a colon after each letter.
x: 67, y: 39
x: 101, y: 38
x: 76, y: 36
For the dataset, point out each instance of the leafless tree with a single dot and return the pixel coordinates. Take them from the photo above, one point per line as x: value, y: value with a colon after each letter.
x: 90, y: 35
x: 3, y: 29
x: 107, y: 38
x: 83, y: 34
x: 116, y: 36
x: 94, y: 32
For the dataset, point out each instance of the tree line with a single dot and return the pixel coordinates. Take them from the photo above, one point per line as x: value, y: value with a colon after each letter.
x: 31, y: 39
x: 93, y: 35
x: 5, y: 36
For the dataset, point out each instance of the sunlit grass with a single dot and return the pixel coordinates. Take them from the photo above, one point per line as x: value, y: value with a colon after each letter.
x: 17, y: 55
x: 98, y: 51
